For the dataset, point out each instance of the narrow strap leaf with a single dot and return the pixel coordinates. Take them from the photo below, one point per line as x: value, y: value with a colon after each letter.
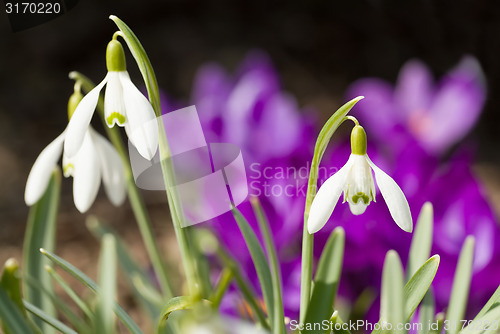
x: 419, y: 284
x: 177, y: 304
x: 416, y: 288
x: 392, y: 294
x: 495, y: 298
x: 461, y: 285
x: 279, y: 324
x: 11, y: 282
x: 487, y: 323
x: 427, y: 311
x: 326, y: 281
x: 421, y: 242
x: 41, y: 232
x: 260, y: 263
x: 12, y: 318
x: 89, y: 283
x: 56, y: 324
x: 135, y: 275
x: 105, y: 320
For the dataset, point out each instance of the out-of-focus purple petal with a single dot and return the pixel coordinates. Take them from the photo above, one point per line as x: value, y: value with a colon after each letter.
x: 414, y: 89
x: 377, y: 110
x: 210, y: 90
x: 246, y: 103
x: 456, y: 107
x: 278, y: 130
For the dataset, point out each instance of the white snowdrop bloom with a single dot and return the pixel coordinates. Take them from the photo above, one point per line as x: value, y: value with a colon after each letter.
x: 96, y: 159
x: 124, y: 105
x: 356, y: 180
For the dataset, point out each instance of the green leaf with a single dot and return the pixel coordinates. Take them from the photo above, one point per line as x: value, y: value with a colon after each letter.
x: 226, y: 277
x: 70, y: 292
x: 338, y: 325
x: 243, y: 284
x: 11, y: 282
x: 140, y: 282
x: 495, y: 298
x: 62, y: 306
x: 178, y: 304
x: 41, y: 232
x: 421, y: 242
x: 278, y: 325
x: 419, y: 284
x: 417, y: 287
x: 427, y: 311
x: 105, y: 320
x: 461, y: 285
x: 53, y: 322
x: 85, y: 280
x: 392, y: 293
x: 482, y: 324
x: 260, y: 262
x: 13, y: 321
x: 326, y: 280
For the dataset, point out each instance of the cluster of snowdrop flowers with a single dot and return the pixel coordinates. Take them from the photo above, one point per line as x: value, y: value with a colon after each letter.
x: 94, y: 160
x: 355, y: 179
x: 88, y: 156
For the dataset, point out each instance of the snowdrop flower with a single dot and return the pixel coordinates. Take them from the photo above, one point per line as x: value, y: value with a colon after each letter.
x: 95, y: 159
x: 355, y: 179
x: 124, y: 105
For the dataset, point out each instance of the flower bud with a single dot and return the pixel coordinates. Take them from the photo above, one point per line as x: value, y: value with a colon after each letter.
x: 115, y: 57
x: 358, y: 140
x: 73, y: 102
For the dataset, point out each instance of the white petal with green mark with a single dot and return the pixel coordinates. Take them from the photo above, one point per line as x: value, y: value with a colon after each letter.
x: 114, y: 107
x: 42, y: 169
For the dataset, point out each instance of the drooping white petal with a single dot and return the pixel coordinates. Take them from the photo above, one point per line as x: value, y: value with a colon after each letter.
x: 79, y: 122
x: 114, y: 107
x: 326, y: 198
x: 87, y: 175
x: 141, y: 119
x: 113, y: 174
x: 42, y: 169
x: 394, y: 197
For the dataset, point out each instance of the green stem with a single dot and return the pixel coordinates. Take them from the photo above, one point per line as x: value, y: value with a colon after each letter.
x: 278, y: 325
x: 149, y: 77
x: 226, y: 277
x: 136, y: 202
x: 244, y: 286
x: 308, y: 239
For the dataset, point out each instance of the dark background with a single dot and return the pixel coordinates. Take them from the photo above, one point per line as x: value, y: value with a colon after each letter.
x: 319, y: 48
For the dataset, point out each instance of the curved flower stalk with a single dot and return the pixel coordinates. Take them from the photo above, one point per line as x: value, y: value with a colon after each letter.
x: 124, y: 105
x: 96, y: 159
x: 355, y: 179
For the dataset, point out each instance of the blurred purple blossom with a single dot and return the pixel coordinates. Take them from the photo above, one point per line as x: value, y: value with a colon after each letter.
x: 250, y: 109
x: 436, y: 115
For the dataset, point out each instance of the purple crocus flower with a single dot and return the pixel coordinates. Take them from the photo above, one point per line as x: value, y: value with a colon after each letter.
x: 250, y: 109
x: 437, y: 116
